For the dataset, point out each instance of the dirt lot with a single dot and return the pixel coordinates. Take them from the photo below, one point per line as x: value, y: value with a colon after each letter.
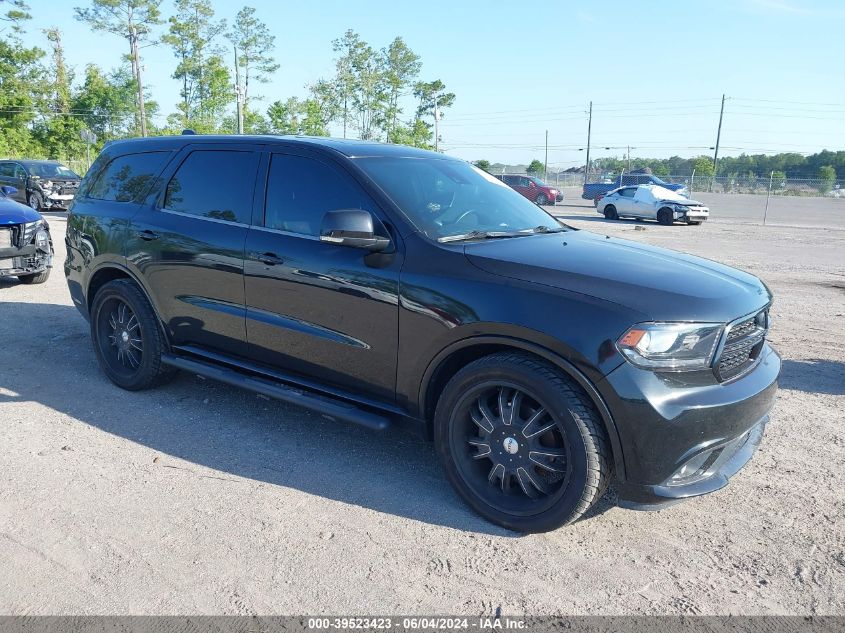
x: 199, y: 498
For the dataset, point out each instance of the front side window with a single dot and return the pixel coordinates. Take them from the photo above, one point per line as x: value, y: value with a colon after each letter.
x: 214, y: 184
x: 444, y: 197
x: 126, y: 178
x: 301, y: 190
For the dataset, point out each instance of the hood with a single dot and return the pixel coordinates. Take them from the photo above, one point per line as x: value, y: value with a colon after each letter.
x: 687, y: 202
x: 663, y: 284
x: 12, y: 212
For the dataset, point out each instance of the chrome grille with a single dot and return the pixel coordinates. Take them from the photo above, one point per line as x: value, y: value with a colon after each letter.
x: 743, y: 344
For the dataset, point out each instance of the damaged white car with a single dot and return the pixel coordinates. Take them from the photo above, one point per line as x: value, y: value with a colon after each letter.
x: 652, y: 202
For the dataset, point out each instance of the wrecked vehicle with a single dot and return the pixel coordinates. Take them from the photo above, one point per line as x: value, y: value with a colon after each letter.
x: 651, y: 202
x: 26, y: 248
x: 40, y: 184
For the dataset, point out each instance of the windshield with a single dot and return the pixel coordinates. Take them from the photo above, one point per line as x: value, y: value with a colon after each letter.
x: 51, y: 170
x: 446, y: 198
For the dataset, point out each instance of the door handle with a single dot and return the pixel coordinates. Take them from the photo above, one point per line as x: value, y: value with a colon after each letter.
x: 271, y: 259
x: 148, y: 235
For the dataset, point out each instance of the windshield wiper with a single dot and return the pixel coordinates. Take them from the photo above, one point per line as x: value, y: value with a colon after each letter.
x: 546, y: 229
x: 480, y: 235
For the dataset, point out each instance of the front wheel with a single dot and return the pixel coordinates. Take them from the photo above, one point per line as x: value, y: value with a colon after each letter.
x: 521, y: 443
x: 127, y: 339
x: 666, y: 216
x: 35, y: 201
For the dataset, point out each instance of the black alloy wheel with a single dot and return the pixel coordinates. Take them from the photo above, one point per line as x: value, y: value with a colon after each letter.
x: 521, y: 443
x: 127, y: 338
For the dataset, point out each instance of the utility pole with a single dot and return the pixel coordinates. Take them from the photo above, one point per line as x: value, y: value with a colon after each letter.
x: 718, y: 138
x: 136, y: 67
x: 239, y: 95
x: 629, y: 159
x: 589, y: 128
x: 436, y: 125
x: 546, y: 161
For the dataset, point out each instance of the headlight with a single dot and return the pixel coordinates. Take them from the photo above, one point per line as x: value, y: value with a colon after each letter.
x: 42, y: 240
x: 671, y: 346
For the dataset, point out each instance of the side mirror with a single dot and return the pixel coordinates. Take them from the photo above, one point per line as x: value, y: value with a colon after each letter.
x: 8, y: 191
x: 352, y: 227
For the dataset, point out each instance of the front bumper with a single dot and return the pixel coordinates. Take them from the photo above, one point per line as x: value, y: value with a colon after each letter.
x: 24, y: 261
x: 684, y: 436
x: 695, y: 214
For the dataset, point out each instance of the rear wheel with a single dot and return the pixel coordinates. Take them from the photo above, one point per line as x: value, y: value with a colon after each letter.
x: 542, y: 199
x: 521, y: 443
x: 666, y: 216
x: 610, y: 212
x: 37, y: 278
x: 127, y: 339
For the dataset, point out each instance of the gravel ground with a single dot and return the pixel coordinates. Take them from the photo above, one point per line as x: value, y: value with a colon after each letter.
x: 200, y: 498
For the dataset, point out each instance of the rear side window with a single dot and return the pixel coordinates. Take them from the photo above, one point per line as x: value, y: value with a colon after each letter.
x: 7, y: 169
x: 216, y: 184
x: 627, y: 193
x: 127, y: 178
x: 300, y: 190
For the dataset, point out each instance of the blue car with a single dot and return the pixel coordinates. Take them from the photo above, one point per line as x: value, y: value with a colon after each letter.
x: 26, y: 248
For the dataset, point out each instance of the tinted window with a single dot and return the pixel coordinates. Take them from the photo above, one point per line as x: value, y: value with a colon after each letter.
x: 300, y: 191
x: 20, y: 172
x: 214, y: 184
x: 7, y: 169
x: 627, y: 193
x: 126, y: 178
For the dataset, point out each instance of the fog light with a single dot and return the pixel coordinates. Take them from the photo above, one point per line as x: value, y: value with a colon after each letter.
x: 42, y: 240
x: 692, y: 469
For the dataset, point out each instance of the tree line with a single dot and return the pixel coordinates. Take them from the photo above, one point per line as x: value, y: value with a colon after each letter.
x: 374, y: 93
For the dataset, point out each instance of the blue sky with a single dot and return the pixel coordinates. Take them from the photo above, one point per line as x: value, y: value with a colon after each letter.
x: 654, y: 70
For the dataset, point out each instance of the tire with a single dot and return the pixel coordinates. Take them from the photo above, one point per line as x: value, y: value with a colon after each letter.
x: 541, y: 199
x: 133, y: 361
x: 610, y: 212
x: 499, y: 468
x: 35, y: 201
x: 694, y: 222
x: 665, y: 216
x: 37, y: 278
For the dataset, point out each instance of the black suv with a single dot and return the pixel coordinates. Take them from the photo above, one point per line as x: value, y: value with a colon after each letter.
x: 379, y: 285
x: 41, y: 184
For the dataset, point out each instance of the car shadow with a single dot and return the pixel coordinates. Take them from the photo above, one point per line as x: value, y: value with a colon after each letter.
x: 192, y: 421
x: 813, y: 376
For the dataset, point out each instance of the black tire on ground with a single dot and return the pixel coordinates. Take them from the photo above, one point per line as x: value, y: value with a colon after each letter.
x: 127, y: 339
x: 542, y: 199
x: 665, y: 216
x: 37, y: 278
x: 521, y: 443
x: 610, y: 212
x: 35, y: 200
x: 694, y: 222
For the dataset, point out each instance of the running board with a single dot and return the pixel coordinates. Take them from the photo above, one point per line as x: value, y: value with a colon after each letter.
x: 329, y: 407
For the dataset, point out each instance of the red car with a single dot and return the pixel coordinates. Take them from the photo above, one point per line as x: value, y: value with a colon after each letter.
x: 532, y: 188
